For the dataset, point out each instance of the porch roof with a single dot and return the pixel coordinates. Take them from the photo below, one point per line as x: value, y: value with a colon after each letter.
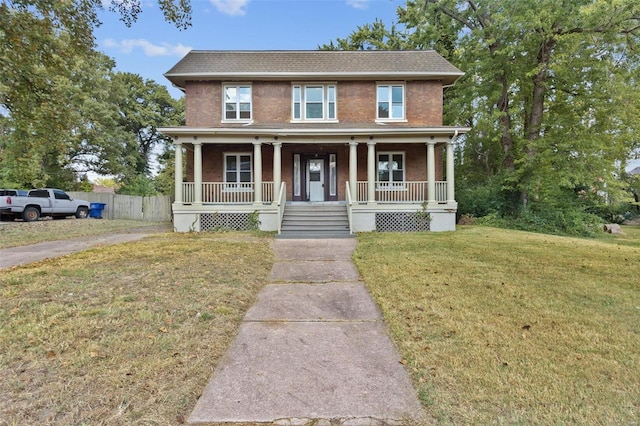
x: 315, y: 64
x: 314, y: 133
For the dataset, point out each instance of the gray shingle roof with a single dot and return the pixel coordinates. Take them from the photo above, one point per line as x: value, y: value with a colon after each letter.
x: 312, y: 64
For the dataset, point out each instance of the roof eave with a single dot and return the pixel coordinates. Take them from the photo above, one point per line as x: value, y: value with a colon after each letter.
x: 180, y: 79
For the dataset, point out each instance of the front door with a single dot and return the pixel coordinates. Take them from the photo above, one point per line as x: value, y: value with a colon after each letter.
x: 315, y: 179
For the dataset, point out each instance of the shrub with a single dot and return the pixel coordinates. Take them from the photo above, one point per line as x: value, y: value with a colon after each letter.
x: 615, y: 213
x: 483, y: 199
x: 560, y: 222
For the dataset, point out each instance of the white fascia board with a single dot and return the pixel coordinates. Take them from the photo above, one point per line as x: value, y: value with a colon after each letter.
x: 304, y: 75
x: 253, y: 133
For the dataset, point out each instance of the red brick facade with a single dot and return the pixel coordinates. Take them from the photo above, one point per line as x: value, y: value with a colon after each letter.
x: 356, y: 103
x: 271, y: 106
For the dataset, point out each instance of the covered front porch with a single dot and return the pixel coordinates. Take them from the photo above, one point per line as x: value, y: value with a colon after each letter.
x: 372, y: 174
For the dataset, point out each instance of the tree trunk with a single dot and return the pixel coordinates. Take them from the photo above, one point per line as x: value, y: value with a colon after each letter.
x: 534, y: 120
x: 506, y: 140
x: 539, y: 89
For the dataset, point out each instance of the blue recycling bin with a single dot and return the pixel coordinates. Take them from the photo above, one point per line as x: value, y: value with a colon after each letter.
x: 95, y: 210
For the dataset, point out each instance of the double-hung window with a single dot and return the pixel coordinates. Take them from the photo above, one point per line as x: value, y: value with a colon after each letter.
x: 237, y: 102
x: 237, y: 170
x: 314, y: 102
x: 391, y: 169
x: 391, y: 102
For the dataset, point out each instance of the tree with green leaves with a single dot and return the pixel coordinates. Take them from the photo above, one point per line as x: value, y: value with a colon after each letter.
x: 52, y: 101
x: 546, y: 91
x: 145, y: 106
x: 165, y: 179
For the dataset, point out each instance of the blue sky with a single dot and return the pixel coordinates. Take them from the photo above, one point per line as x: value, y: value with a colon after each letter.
x: 151, y: 46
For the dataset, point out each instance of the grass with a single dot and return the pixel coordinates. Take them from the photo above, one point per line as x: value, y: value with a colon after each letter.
x: 508, y: 327
x: 124, y: 334
x: 495, y: 326
x: 19, y: 233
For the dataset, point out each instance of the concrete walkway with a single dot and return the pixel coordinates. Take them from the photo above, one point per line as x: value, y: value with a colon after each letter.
x: 312, y: 350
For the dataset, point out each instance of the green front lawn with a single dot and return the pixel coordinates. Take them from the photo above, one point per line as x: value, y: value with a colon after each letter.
x: 495, y: 326
x: 506, y: 327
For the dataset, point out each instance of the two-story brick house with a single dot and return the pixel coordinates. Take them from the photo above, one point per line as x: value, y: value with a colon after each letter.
x: 268, y: 131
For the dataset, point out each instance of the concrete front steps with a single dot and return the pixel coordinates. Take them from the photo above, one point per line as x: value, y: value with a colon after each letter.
x: 311, y: 220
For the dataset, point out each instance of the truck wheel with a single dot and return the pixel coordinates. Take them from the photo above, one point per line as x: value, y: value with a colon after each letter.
x: 82, y: 213
x: 30, y: 214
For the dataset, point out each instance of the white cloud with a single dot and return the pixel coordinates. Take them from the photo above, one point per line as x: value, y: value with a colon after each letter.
x: 149, y: 49
x: 231, y: 7
x: 358, y: 4
x: 110, y: 43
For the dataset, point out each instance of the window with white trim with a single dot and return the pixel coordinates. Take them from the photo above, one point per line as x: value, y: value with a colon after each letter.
x: 237, y: 168
x: 296, y: 175
x: 391, y: 102
x: 391, y: 168
x: 237, y: 102
x: 314, y: 102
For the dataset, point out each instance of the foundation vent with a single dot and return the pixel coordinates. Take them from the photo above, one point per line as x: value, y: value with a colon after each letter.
x: 220, y: 221
x: 401, y: 222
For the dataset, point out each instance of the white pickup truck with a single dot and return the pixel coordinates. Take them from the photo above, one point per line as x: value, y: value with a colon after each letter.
x: 42, y: 202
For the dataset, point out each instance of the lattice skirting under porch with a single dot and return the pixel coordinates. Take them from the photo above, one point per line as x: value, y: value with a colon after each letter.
x: 401, y: 222
x: 218, y: 221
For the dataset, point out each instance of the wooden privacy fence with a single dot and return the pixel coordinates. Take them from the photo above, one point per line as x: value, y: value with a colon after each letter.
x: 131, y: 207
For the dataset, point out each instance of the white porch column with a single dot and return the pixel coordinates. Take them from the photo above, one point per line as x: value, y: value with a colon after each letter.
x: 178, y: 172
x: 353, y: 170
x: 371, y: 172
x: 197, y: 172
x: 277, y: 169
x: 450, y: 174
x: 257, y: 172
x: 431, y: 172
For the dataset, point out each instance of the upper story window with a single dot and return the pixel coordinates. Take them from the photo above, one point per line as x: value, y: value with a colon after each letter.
x: 237, y: 102
x: 391, y: 102
x: 314, y: 102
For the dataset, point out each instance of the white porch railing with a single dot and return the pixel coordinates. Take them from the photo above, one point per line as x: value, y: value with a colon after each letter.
x: 227, y: 193
x: 349, y: 206
x: 441, y: 192
x: 402, y: 192
x: 282, y: 201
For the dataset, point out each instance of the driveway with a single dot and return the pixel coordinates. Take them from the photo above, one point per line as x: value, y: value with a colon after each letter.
x: 21, y: 255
